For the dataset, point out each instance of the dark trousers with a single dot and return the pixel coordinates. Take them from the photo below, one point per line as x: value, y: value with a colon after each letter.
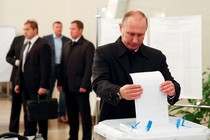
x: 15, y: 111
x: 78, y: 103
x: 31, y: 126
x: 62, y: 100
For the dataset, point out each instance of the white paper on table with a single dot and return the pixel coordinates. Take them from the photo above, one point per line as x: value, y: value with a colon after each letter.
x: 152, y: 105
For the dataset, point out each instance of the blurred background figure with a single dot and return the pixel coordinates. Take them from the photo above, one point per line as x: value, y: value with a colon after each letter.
x: 13, y: 57
x: 56, y: 42
x: 33, y: 75
x: 76, y: 65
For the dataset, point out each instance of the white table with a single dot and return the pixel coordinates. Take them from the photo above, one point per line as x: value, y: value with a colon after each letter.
x: 118, y: 130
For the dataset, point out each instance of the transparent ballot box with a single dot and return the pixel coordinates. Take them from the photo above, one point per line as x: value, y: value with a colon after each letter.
x: 129, y: 129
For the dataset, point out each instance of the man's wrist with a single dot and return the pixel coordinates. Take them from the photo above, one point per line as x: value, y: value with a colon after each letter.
x: 171, y: 97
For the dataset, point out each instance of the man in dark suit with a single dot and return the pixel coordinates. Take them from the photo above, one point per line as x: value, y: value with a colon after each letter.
x: 113, y: 63
x: 76, y: 64
x: 13, y: 57
x: 56, y: 42
x: 34, y: 74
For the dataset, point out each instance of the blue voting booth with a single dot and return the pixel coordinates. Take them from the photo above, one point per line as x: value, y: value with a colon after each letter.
x: 127, y: 129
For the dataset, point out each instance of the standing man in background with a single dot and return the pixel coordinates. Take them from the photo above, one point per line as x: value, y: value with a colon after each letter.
x: 56, y: 42
x: 34, y: 74
x: 13, y: 57
x: 76, y: 64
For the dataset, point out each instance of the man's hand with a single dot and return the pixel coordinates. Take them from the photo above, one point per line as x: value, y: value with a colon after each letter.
x: 168, y: 88
x: 83, y: 90
x: 131, y: 92
x: 42, y: 91
x: 17, y: 63
x: 17, y: 89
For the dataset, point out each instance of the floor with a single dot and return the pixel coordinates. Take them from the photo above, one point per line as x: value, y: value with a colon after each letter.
x: 56, y: 130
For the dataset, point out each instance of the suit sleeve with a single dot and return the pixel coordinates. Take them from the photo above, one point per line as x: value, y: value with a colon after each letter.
x: 45, y: 63
x: 10, y: 57
x: 167, y: 76
x: 46, y: 38
x: 18, y: 73
x: 88, y: 65
x: 102, y: 84
x: 62, y: 66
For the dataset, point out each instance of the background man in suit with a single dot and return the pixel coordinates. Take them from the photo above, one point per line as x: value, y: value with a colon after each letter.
x: 113, y: 63
x: 34, y: 74
x: 76, y: 64
x: 56, y: 42
x: 13, y: 57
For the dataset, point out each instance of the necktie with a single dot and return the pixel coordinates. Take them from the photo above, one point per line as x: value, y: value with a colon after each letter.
x: 26, y: 51
x: 132, y: 52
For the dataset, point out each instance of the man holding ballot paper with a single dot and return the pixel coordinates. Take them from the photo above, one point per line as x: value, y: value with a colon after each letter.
x: 114, y: 62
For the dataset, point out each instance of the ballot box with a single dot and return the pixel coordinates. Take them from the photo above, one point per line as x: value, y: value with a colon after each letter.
x: 126, y: 129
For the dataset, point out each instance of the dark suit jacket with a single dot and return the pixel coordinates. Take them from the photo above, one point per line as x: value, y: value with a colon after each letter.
x: 14, y: 54
x: 50, y: 40
x: 76, y: 65
x: 111, y: 71
x: 36, y: 69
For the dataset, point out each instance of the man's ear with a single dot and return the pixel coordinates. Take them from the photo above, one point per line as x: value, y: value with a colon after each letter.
x: 81, y: 30
x: 120, y: 25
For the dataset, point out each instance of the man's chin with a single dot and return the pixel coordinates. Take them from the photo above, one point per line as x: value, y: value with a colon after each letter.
x: 133, y: 48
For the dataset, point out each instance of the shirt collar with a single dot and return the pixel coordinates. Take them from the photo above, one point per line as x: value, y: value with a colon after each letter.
x: 141, y: 50
x: 25, y: 41
x: 76, y: 40
x: 34, y: 39
x: 54, y: 36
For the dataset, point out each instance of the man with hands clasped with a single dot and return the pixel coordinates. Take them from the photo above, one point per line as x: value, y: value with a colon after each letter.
x: 75, y: 80
x: 115, y: 61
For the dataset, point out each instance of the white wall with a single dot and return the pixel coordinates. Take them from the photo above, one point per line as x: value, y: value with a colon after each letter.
x: 16, y: 12
x: 154, y: 8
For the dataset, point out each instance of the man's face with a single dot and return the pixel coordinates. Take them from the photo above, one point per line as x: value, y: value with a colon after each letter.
x: 133, y: 31
x: 75, y: 32
x: 57, y: 28
x: 29, y: 33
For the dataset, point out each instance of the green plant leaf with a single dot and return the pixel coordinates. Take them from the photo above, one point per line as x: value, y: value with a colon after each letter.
x: 199, y: 114
x: 209, y: 123
x: 207, y: 101
x: 192, y: 101
x: 195, y: 114
x: 190, y: 117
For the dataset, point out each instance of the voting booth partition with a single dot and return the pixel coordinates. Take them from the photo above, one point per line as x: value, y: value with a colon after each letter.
x: 127, y: 129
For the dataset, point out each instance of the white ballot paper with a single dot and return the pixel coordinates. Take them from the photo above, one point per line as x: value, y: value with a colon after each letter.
x: 152, y: 105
